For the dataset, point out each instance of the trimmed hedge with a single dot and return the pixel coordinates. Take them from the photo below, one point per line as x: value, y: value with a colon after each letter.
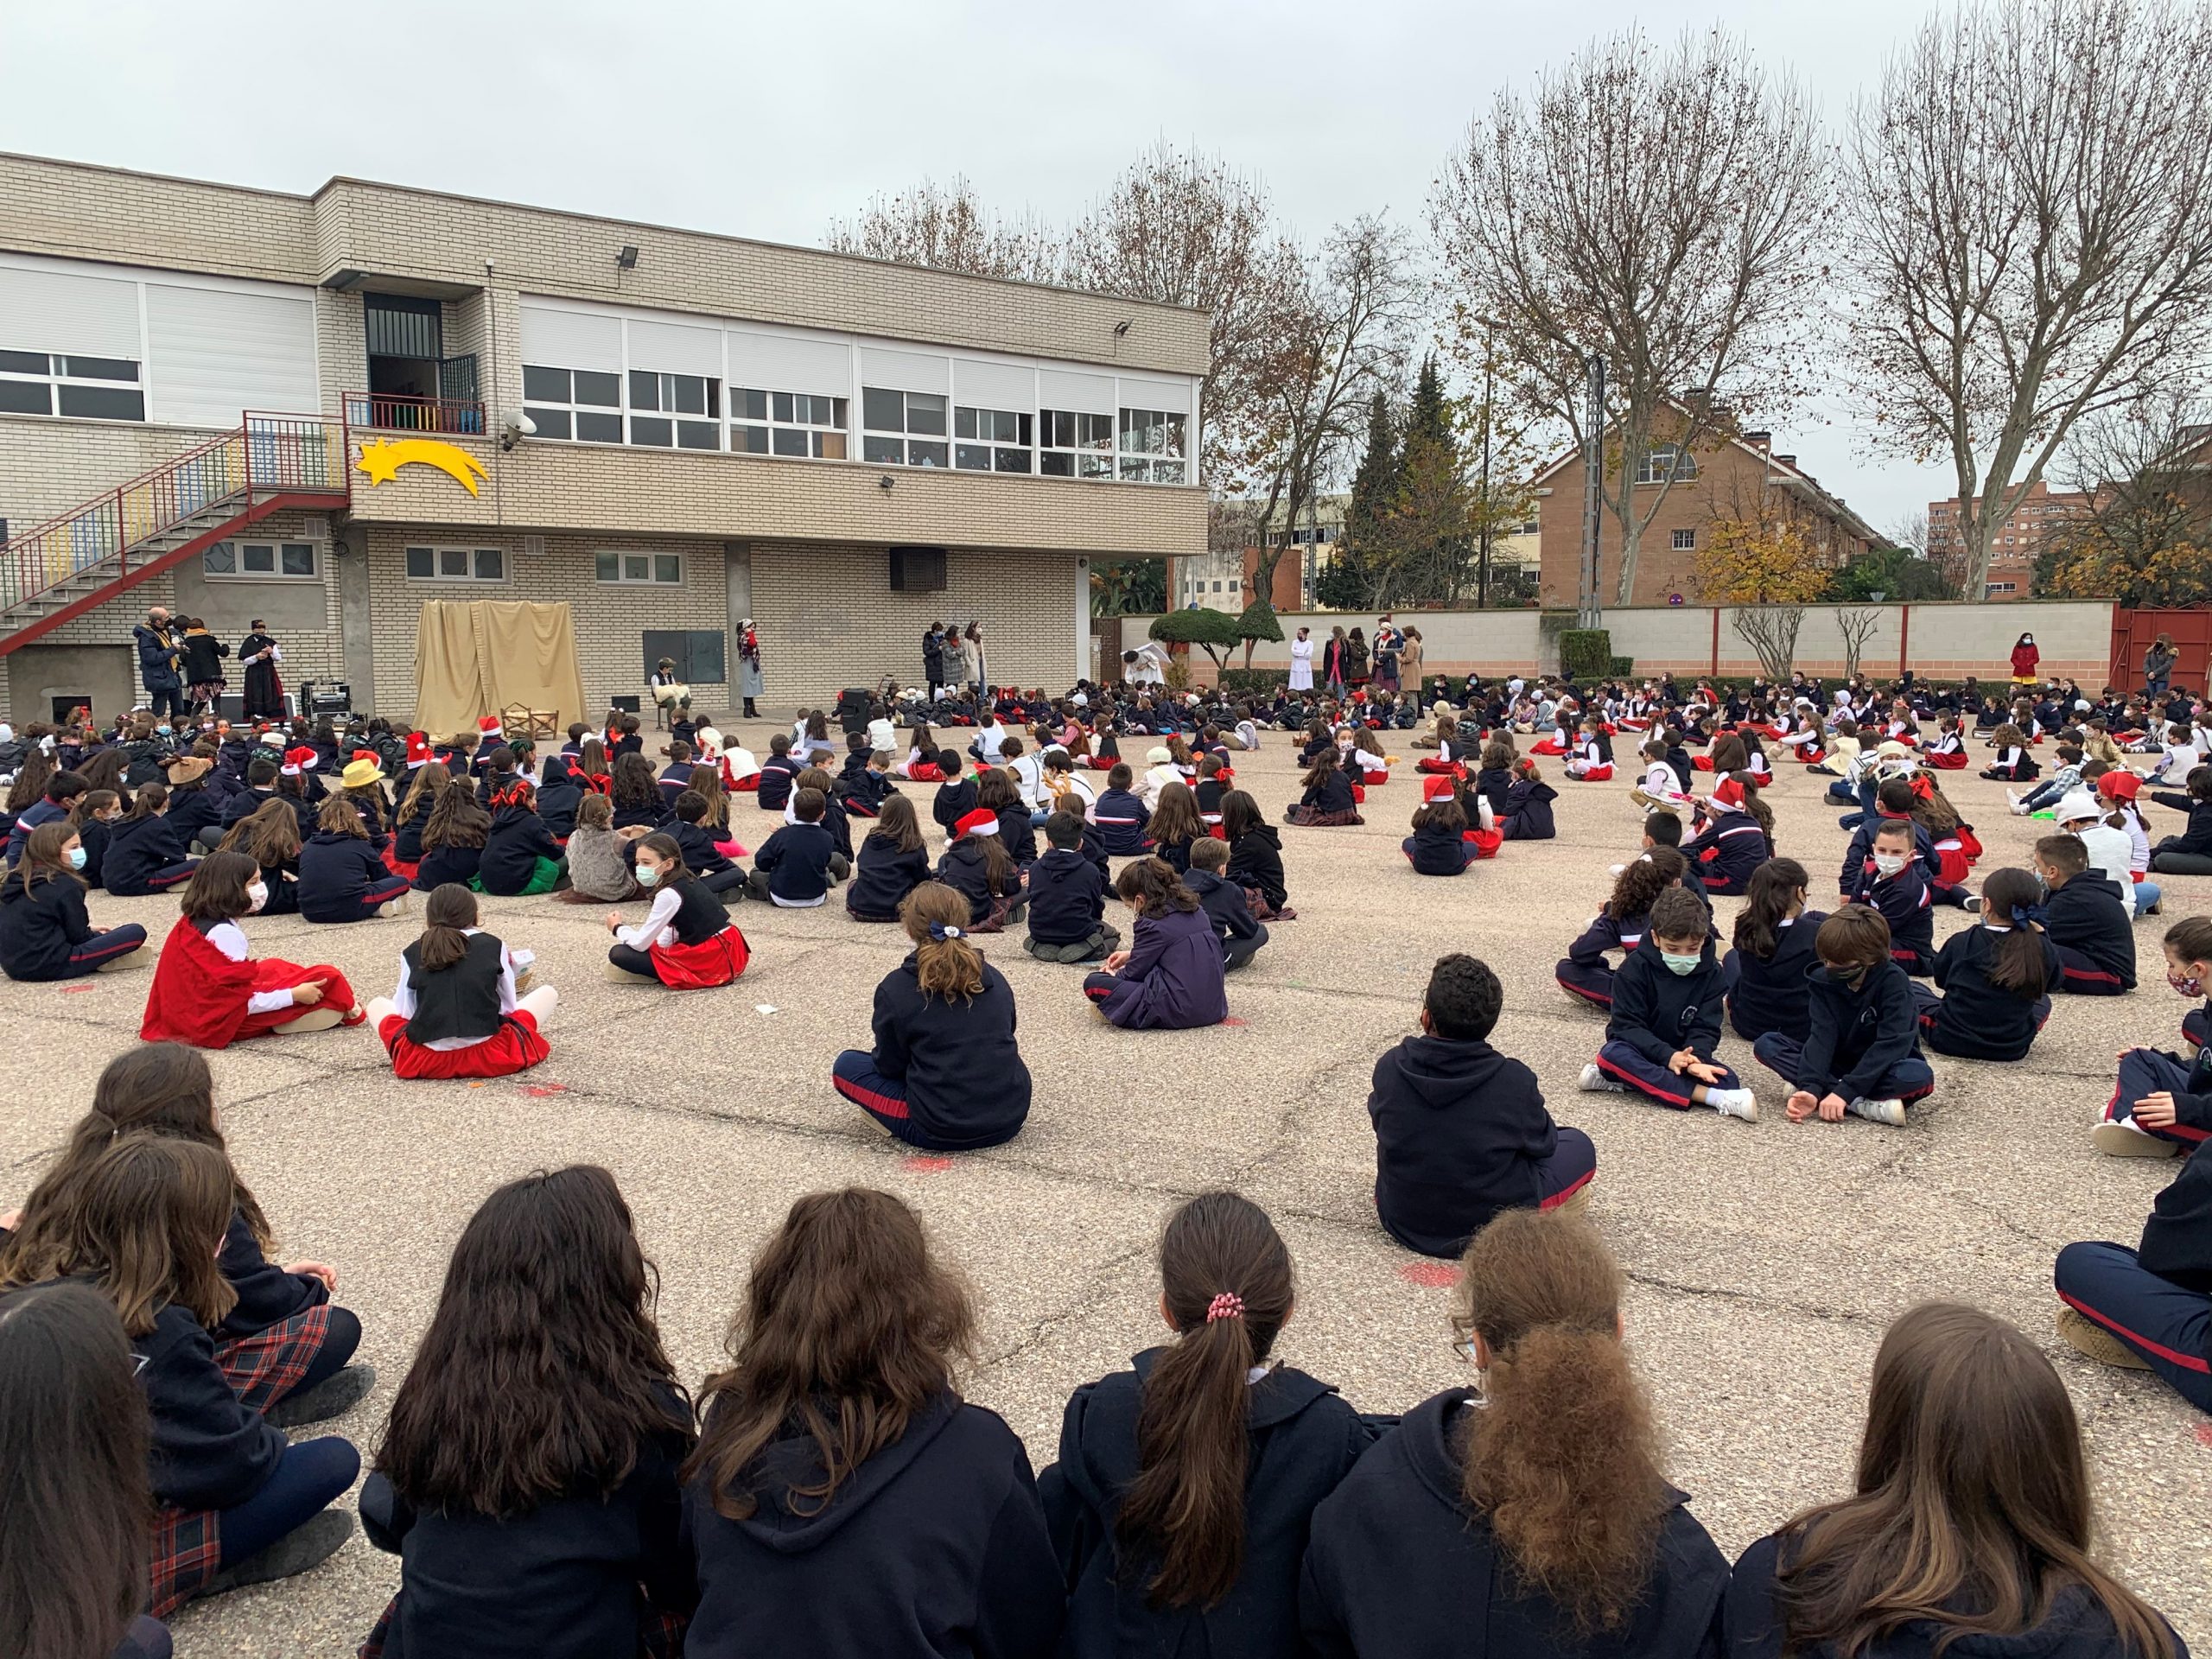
x: 1585, y: 654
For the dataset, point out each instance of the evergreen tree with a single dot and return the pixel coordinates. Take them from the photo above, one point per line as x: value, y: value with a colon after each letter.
x: 1365, y: 546
x: 1431, y: 506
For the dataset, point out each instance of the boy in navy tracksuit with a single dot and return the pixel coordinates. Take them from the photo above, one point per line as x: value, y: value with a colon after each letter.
x: 2087, y: 918
x: 1891, y: 881
x: 1892, y: 804
x: 955, y: 796
x: 61, y: 793
x: 792, y: 868
x: 1460, y: 1130
x: 1733, y: 843
x: 1224, y: 903
x: 1067, y: 899
x: 1120, y: 815
x: 2155, y: 1301
x: 1862, y: 1053
x: 777, y: 772
x: 861, y: 787
x: 676, y: 776
x: 1665, y: 1022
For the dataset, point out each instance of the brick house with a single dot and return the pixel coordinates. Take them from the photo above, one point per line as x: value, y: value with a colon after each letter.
x: 1721, y: 477
x: 672, y: 431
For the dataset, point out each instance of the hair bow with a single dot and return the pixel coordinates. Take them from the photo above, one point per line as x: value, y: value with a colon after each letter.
x: 940, y: 933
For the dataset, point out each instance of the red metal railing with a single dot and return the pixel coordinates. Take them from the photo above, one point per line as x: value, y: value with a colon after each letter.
x: 392, y: 412
x: 267, y: 452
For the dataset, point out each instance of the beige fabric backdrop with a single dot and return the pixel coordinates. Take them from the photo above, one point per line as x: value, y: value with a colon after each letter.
x: 472, y: 657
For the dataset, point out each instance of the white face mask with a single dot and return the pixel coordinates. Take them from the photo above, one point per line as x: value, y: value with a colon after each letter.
x: 1890, y: 863
x: 256, y: 896
x: 648, y: 875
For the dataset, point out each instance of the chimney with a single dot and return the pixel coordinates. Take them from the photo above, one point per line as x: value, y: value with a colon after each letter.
x: 1787, y: 461
x: 1760, y: 440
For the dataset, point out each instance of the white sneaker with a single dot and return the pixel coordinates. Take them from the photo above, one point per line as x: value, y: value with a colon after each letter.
x: 2012, y: 799
x: 1733, y: 1103
x: 1595, y: 1080
x: 1890, y: 1112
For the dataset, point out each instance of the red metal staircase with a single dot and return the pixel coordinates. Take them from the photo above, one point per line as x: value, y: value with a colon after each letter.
x: 68, y: 565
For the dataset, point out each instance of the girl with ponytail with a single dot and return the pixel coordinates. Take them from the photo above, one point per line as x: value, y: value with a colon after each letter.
x: 464, y: 1006
x: 1995, y: 978
x: 945, y: 1073
x: 1185, y: 1486
x: 1773, y: 941
x: 1540, y: 1485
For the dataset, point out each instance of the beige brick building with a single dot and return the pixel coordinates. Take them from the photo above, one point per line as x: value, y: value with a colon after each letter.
x: 668, y: 430
x: 2020, y: 538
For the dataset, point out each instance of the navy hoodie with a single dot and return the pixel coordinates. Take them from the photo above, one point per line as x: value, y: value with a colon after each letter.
x: 408, y: 832
x: 1769, y: 992
x: 1301, y: 1440
x: 1255, y: 861
x: 1460, y: 1132
x: 1224, y: 904
x: 956, y: 799
x: 1438, y: 849
x: 797, y: 861
x: 1529, y: 804
x: 696, y: 843
x: 882, y: 877
x: 516, y: 841
x: 966, y: 1084
x: 1737, y: 845
x: 1401, y: 1567
x: 2177, y: 1238
x: 1121, y: 817
x: 1857, y: 1034
x: 1657, y: 1011
x: 1067, y: 897
x: 137, y: 848
x: 335, y: 870
x: 195, y: 807
x: 934, y: 1549
x: 1331, y: 794
x: 963, y: 868
x: 40, y: 923
x: 1979, y: 1020
x: 559, y: 794
x: 2088, y: 914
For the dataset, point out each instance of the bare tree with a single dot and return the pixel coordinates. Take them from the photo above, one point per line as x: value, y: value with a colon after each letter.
x: 949, y: 229
x: 1660, y: 210
x: 1771, y: 632
x: 2028, y: 221
x: 1910, y: 532
x: 1856, y: 625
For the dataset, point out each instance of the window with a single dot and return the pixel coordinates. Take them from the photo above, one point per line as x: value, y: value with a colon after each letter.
x: 582, y: 405
x: 632, y: 570
x: 787, y: 423
x: 991, y: 439
x: 1667, y: 460
x: 1686, y: 541
x: 261, y: 561
x: 1152, y: 445
x: 903, y: 429
x: 1075, y: 446
x: 660, y: 403
x: 91, y: 388
x: 456, y: 564
x: 1993, y: 589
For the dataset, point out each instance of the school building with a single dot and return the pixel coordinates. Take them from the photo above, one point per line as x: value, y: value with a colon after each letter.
x: 322, y: 409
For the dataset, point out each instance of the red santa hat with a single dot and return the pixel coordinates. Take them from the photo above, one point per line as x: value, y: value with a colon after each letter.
x: 1728, y: 793
x: 488, y: 727
x: 981, y: 822
x: 1439, y: 788
x: 297, y: 761
x: 418, y: 750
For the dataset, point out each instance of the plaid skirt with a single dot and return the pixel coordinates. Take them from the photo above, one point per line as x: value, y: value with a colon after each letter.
x: 1307, y: 817
x: 660, y: 1635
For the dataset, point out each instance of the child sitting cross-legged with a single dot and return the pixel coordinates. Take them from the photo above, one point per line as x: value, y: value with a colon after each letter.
x: 460, y: 1008
x: 1328, y: 800
x: 1666, y: 1018
x: 1225, y: 904
x: 1996, y: 977
x: 1891, y: 881
x: 1439, y: 844
x: 1460, y: 1130
x: 2088, y: 919
x: 893, y: 862
x: 977, y: 865
x: 2161, y: 1103
x: 795, y: 865
x: 1584, y: 972
x: 1171, y: 978
x: 1067, y: 897
x: 1861, y: 1053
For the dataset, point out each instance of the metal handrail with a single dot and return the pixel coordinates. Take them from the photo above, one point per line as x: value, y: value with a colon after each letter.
x: 388, y: 411
x: 266, y: 453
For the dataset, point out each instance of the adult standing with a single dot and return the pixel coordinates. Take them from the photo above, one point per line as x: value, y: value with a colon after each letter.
x: 159, y: 658
x: 264, y: 687
x: 1389, y: 642
x: 956, y: 658
x: 933, y: 659
x: 1356, y: 669
x: 749, y: 682
x: 1410, y: 654
x: 203, y: 664
x: 1333, y: 658
x: 2159, y: 665
x: 1301, y: 661
x: 2024, y: 659
x: 977, y: 677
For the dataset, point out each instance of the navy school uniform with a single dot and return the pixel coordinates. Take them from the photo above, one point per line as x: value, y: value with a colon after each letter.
x: 2157, y: 1299
x: 267, y: 1295
x: 1302, y: 1439
x: 1018, y: 836
x: 835, y: 820
x: 1230, y: 913
x: 1769, y: 993
x: 1528, y: 815
x: 1121, y: 818
x: 210, y: 1450
x: 1862, y: 1042
x: 1067, y: 897
x: 1904, y: 903
x: 195, y: 807
x: 795, y: 863
x: 516, y: 841
x: 775, y: 786
x: 144, y: 855
x: 674, y: 779
x: 946, y: 1073
x: 956, y: 799
x: 963, y: 868
x: 344, y: 878
x: 47, y: 933
x: 1495, y: 784
x: 640, y: 814
x: 2089, y: 923
x: 2150, y: 1070
x: 1176, y: 854
x: 700, y: 856
x: 1173, y: 979
x: 573, y: 1578
x: 1861, y: 850
x: 1461, y: 1135
x: 407, y: 846
x: 1438, y: 849
x: 1975, y: 1019
x: 559, y: 794
x: 92, y: 835
x: 1401, y: 1519
x: 1255, y: 862
x: 1331, y: 796
x: 935, y: 1546
x: 442, y: 864
x: 39, y: 812
x: 882, y: 877
x: 1585, y: 972
x: 1732, y: 847
x: 1656, y: 1013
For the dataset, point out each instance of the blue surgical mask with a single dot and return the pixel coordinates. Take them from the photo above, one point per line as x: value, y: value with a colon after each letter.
x: 647, y: 875
x: 1681, y: 964
x: 163, y: 730
x: 76, y: 858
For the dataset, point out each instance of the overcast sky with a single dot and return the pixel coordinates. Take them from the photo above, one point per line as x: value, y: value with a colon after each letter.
x: 770, y: 120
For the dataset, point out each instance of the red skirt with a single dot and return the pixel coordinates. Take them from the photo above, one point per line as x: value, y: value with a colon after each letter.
x: 925, y: 771
x: 712, y: 961
x: 1952, y: 864
x: 1484, y: 842
x: 748, y: 785
x: 1547, y: 745
x: 515, y: 1047
x: 1954, y: 762
x: 398, y: 866
x: 1600, y: 773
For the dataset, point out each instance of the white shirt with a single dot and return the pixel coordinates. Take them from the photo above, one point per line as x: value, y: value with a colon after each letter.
x: 657, y: 928
x: 404, y: 1001
x: 881, y: 736
x: 2111, y: 854
x: 229, y: 938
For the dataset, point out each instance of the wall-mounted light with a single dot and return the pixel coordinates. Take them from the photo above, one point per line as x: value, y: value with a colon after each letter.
x: 627, y: 257
x: 1122, y: 327
x: 886, y: 481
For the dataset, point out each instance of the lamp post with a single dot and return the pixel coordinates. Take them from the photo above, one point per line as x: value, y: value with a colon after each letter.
x: 1590, y: 612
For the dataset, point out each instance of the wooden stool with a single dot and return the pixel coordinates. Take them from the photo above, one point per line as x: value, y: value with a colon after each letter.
x: 518, y: 717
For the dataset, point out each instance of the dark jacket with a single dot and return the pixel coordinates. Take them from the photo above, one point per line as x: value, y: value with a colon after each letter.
x: 94, y: 836
x: 1255, y: 861
x: 776, y: 774
x: 156, y: 659
x: 210, y: 1452
x: 559, y: 1582
x: 882, y: 877
x: 203, y: 658
x: 1856, y: 856
x: 797, y: 861
x: 516, y: 841
x: 963, y: 868
x: 966, y: 1084
x: 696, y: 843
x: 1495, y: 784
x: 1224, y: 904
x: 443, y: 864
x: 1657, y: 1011
x: 136, y: 849
x: 1902, y: 900
x: 267, y: 1294
x: 335, y: 870
x: 1769, y: 993
x: 934, y: 1548
x: 2177, y: 1238
x: 1606, y: 932
x: 196, y: 807
x: 1856, y: 1035
x: 1732, y: 847
x: 2197, y: 837
x: 1067, y: 897
x: 1173, y: 978
x: 1332, y: 794
x: 1529, y: 804
x: 39, y: 812
x: 1399, y: 1522
x: 2076, y: 1627
x: 407, y: 833
x: 1017, y: 835
x: 1978, y: 1020
x: 1302, y: 1439
x: 1121, y: 817
x: 40, y: 923
x: 955, y: 800
x: 559, y: 793
x: 1460, y: 1134
x: 2090, y: 914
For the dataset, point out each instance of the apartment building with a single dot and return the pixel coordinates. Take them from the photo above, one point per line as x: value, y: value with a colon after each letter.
x: 321, y: 410
x: 2019, y: 538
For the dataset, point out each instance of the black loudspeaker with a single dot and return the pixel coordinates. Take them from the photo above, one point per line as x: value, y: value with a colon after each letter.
x: 917, y: 569
x: 628, y: 705
x: 336, y: 698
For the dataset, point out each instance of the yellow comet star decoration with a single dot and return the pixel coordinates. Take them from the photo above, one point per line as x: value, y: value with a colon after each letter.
x: 382, y: 461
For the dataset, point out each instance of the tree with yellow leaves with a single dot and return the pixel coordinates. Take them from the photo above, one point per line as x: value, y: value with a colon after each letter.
x: 1768, y: 570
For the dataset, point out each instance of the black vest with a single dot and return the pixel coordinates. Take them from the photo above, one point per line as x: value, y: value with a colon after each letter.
x: 699, y: 915
x: 462, y: 1000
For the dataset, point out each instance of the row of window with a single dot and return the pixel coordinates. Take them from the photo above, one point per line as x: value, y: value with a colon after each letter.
x: 301, y: 561
x: 91, y: 388
x: 897, y: 429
